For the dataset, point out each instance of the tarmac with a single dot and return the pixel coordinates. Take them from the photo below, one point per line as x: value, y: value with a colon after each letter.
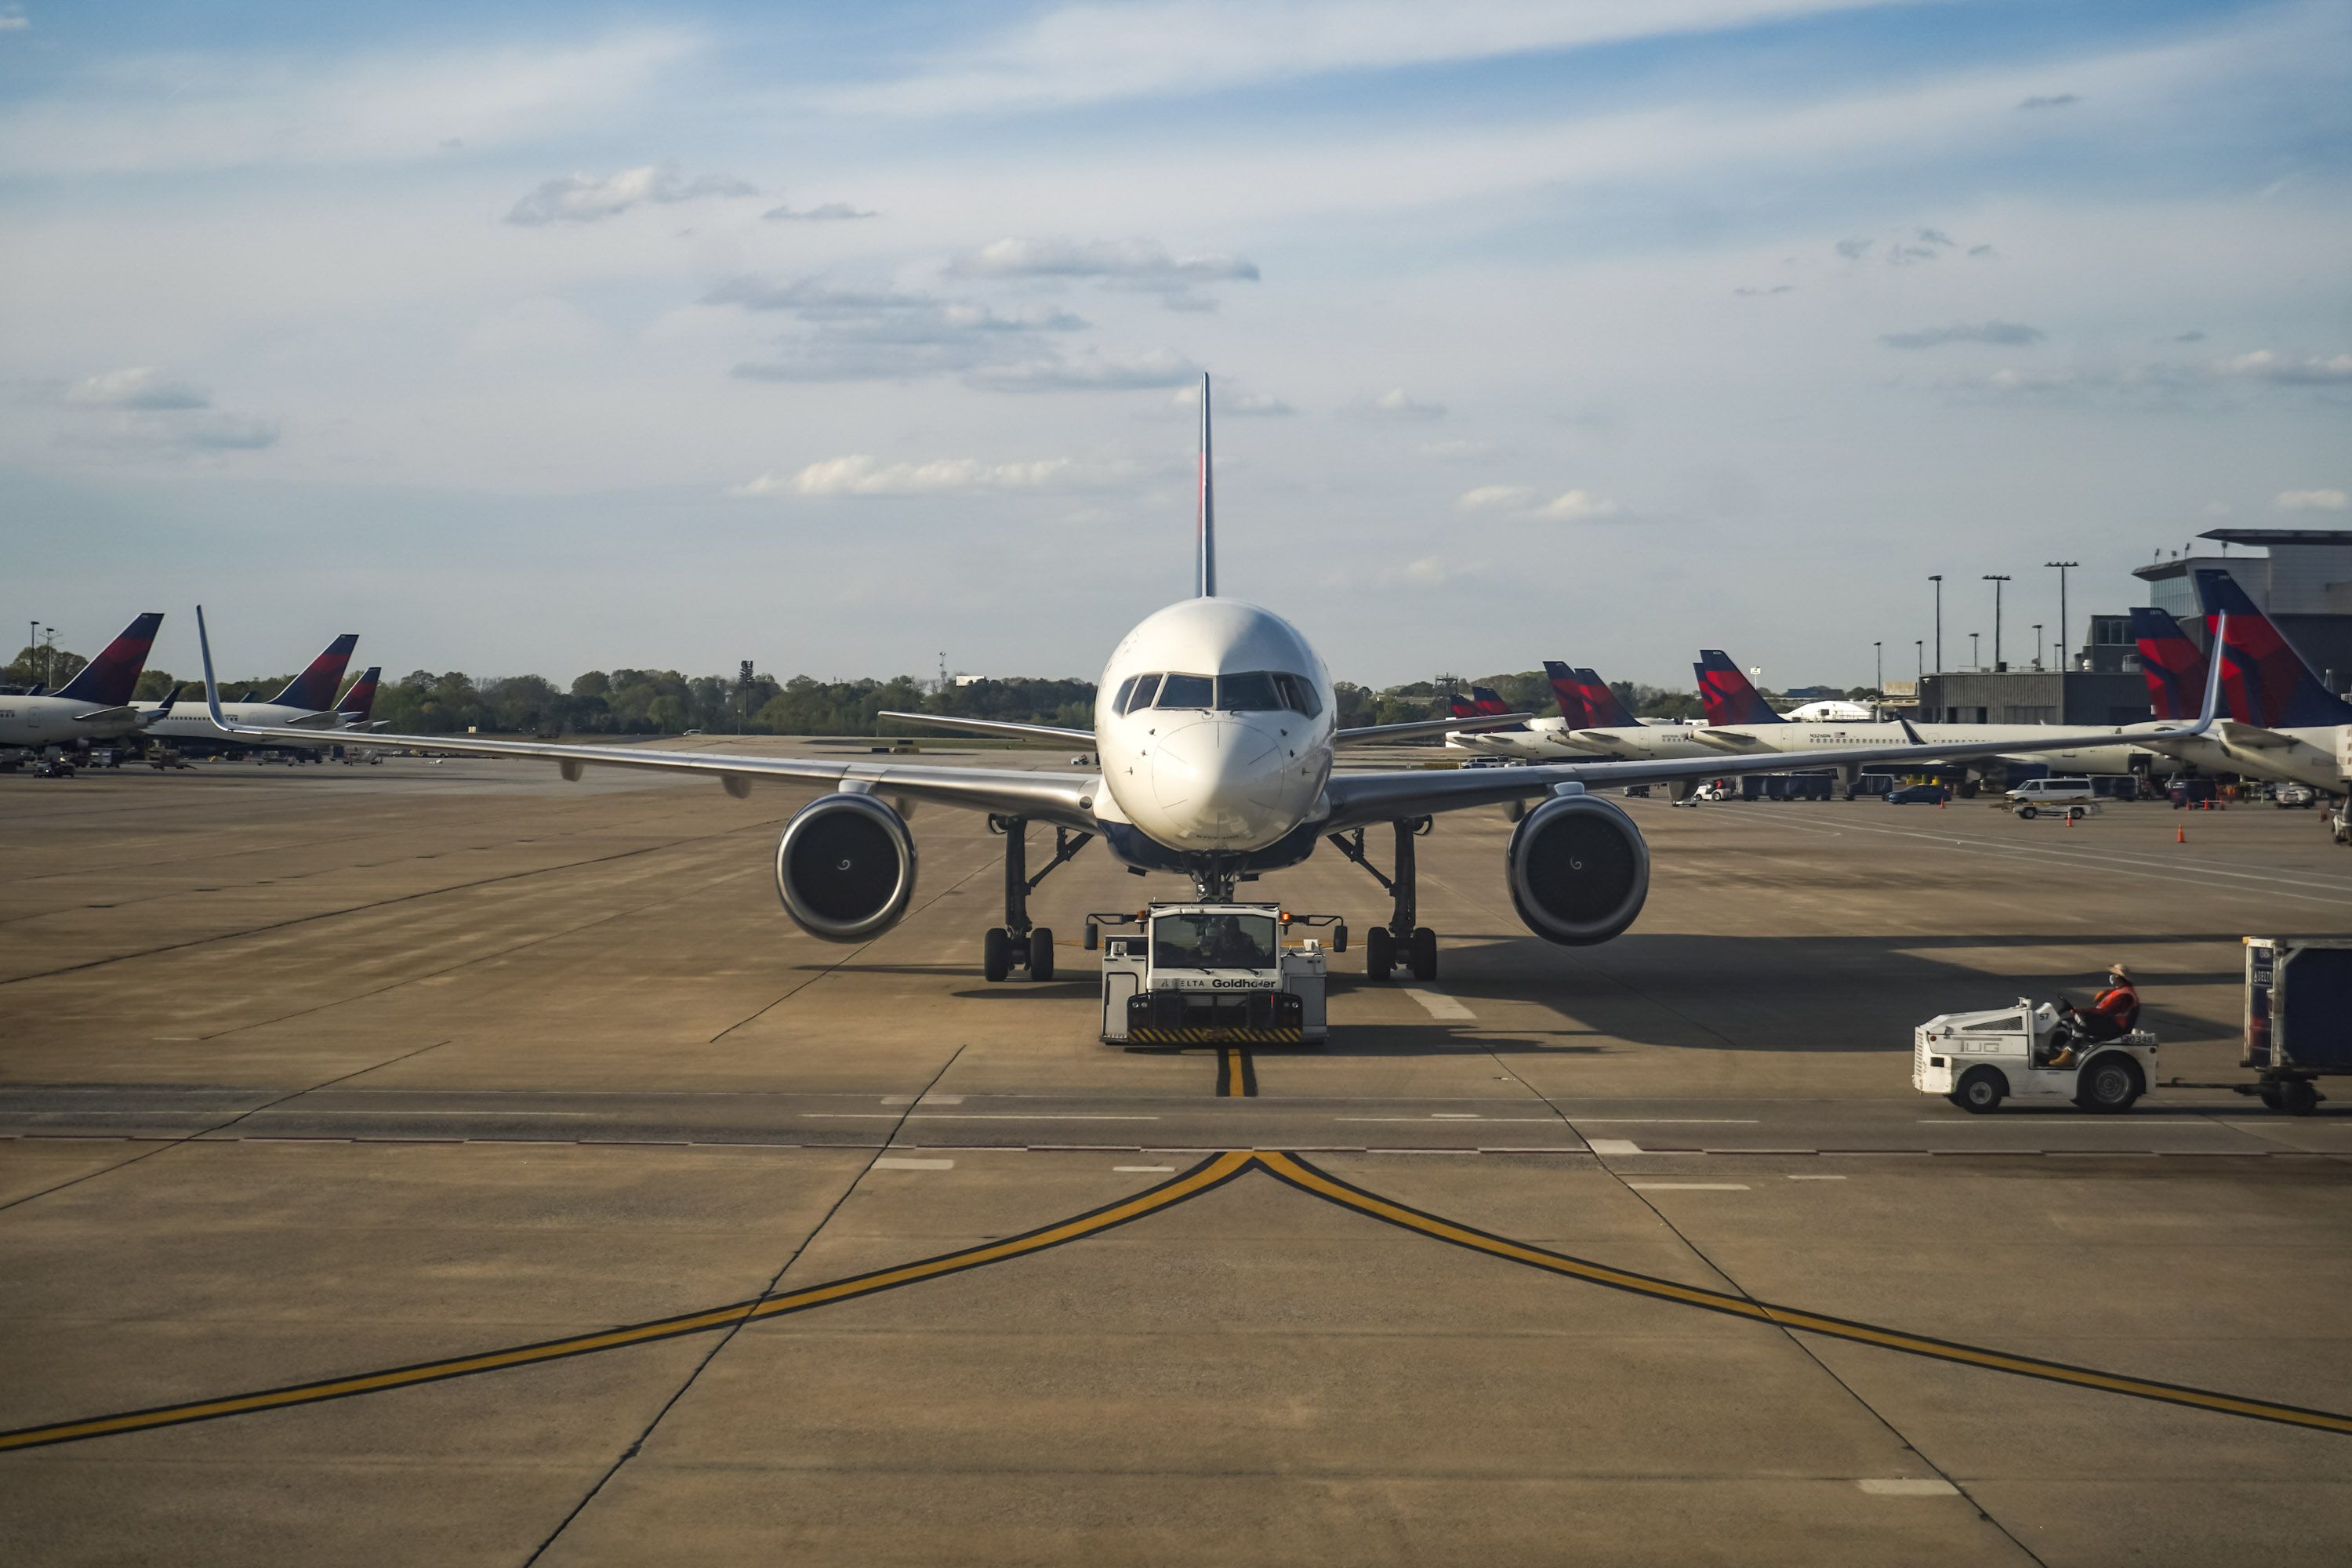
x: 439, y: 1163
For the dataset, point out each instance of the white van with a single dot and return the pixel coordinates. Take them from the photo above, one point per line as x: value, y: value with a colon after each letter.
x: 2073, y: 797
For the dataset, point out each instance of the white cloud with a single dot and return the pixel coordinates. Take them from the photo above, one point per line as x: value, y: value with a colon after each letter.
x: 1497, y: 498
x: 1090, y: 372
x: 139, y: 386
x: 2006, y: 334
x: 861, y: 475
x: 219, y: 111
x: 863, y: 333
x: 13, y: 21
x: 1397, y: 404
x: 2290, y: 370
x: 1571, y: 506
x: 1087, y: 53
x: 1143, y: 262
x: 2311, y: 500
x: 824, y: 211
x: 584, y: 198
x: 1577, y: 506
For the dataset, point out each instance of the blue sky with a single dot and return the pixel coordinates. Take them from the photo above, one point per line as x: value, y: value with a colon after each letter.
x: 534, y: 338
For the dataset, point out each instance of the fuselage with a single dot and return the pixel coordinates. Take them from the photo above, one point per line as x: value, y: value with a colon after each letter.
x: 188, y: 722
x: 1213, y: 723
x: 2305, y: 756
x: 38, y: 721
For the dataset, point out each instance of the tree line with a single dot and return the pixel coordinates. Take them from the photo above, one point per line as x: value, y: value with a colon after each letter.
x: 665, y: 702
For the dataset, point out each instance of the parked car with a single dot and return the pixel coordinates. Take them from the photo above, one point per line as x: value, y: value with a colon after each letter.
x: 1918, y: 795
x: 2295, y: 794
x: 2035, y: 796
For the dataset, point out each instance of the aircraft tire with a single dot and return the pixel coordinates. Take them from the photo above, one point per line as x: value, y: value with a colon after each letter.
x: 1421, y: 951
x: 1380, y: 954
x: 996, y: 953
x: 1040, y: 954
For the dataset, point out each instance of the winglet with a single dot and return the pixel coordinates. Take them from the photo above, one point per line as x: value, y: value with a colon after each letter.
x: 2212, y: 709
x: 212, y: 687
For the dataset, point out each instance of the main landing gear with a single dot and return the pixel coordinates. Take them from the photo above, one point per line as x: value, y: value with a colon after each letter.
x: 1017, y: 944
x: 1401, y: 944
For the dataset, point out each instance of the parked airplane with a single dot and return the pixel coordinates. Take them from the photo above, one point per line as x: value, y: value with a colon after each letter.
x: 356, y: 705
x: 1216, y: 737
x: 304, y: 708
x: 2280, y: 722
x: 95, y: 705
x: 1733, y: 703
x: 1590, y: 717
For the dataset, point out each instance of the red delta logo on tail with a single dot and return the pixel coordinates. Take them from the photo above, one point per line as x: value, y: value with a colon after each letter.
x: 1459, y: 706
x: 359, y: 703
x: 2174, y: 665
x: 111, y: 679
x: 1489, y: 701
x: 1570, y: 693
x: 1601, y: 703
x: 315, y: 687
x: 2264, y: 679
x: 1726, y: 693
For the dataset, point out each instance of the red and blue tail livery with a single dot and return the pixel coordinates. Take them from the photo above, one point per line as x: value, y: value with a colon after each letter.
x: 1726, y: 693
x: 1570, y: 693
x: 359, y: 702
x: 1459, y: 706
x: 2264, y: 680
x: 111, y: 679
x: 315, y: 687
x: 2175, y: 665
x: 1606, y: 710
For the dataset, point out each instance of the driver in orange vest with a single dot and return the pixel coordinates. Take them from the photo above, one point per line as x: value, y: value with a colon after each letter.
x: 2111, y: 1014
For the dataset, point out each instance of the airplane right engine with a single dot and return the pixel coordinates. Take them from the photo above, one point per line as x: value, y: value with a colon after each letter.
x: 1578, y: 870
x: 845, y: 868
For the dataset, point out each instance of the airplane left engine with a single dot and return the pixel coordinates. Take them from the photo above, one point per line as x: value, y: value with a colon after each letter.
x: 1578, y: 869
x: 845, y: 868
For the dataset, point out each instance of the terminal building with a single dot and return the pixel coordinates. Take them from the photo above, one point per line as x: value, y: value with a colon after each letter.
x: 2302, y: 581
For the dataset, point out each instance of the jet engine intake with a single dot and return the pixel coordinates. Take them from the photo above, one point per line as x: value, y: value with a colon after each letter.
x: 1578, y: 870
x: 845, y: 868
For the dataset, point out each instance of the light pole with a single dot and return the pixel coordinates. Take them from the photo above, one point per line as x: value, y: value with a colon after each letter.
x: 2064, y: 658
x: 1937, y: 579
x: 1880, y: 650
x: 1973, y: 661
x: 2037, y: 645
x: 1920, y: 648
x: 1996, y: 579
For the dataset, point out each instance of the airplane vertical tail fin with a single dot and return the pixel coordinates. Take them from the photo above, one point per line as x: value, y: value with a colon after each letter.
x: 2265, y: 680
x: 315, y: 687
x: 1204, y: 569
x: 1486, y: 699
x: 357, y: 704
x: 2174, y: 666
x: 1568, y: 694
x: 111, y: 677
x: 1461, y: 707
x: 1602, y: 706
x: 1726, y: 693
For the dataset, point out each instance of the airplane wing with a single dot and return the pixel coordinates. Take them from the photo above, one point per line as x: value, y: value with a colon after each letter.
x: 1369, y: 734
x: 1005, y: 727
x: 2253, y: 737
x: 1064, y: 800
x: 106, y: 715
x: 1359, y: 799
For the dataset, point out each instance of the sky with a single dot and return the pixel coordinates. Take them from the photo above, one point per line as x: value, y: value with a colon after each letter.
x: 540, y: 338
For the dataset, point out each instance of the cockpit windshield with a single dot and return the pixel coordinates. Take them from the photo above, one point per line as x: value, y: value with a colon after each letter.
x: 1214, y: 941
x: 1247, y: 691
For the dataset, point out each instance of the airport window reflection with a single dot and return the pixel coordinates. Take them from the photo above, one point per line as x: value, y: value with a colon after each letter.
x: 1214, y: 941
x: 1186, y: 691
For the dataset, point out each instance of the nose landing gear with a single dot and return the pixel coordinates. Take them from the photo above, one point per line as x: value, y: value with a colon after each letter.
x: 1401, y: 944
x: 1017, y: 944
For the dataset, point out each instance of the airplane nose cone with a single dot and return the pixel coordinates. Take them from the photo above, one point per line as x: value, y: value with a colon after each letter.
x: 1221, y: 776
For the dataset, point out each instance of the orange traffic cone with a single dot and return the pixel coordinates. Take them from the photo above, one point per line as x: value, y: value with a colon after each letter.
x: 2181, y: 835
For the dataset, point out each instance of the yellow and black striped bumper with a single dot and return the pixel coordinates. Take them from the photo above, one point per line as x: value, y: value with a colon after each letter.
x: 1216, y: 1034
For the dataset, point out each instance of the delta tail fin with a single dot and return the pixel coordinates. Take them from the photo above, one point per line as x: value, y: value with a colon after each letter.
x: 111, y: 677
x: 1460, y: 705
x: 1603, y: 705
x: 1568, y: 694
x: 315, y: 687
x: 2175, y: 665
x: 2264, y: 679
x: 359, y: 703
x: 1726, y: 693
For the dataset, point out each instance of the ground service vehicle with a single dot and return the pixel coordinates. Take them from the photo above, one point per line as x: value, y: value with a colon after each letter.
x: 2288, y: 795
x: 2298, y: 1016
x: 1918, y: 795
x: 2035, y: 796
x: 1209, y: 973
x: 1978, y: 1060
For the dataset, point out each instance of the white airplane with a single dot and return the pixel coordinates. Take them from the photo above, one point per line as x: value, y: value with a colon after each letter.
x: 1739, y: 721
x: 1217, y: 735
x: 95, y: 705
x: 1594, y: 722
x: 2278, y: 721
x: 305, y: 705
